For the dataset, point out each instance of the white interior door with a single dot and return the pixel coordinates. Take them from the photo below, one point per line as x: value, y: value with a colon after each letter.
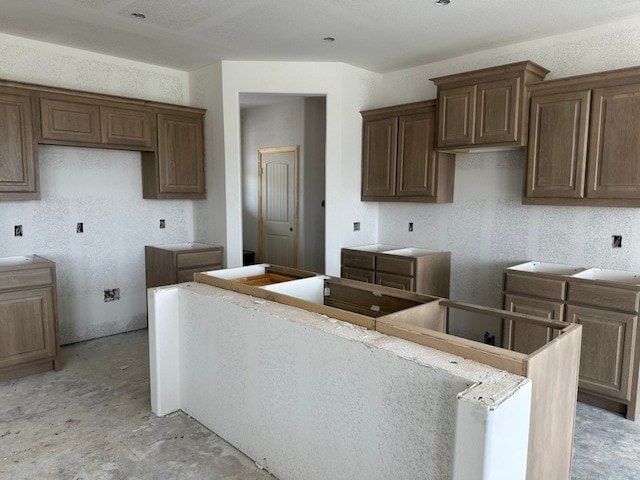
x: 278, y: 206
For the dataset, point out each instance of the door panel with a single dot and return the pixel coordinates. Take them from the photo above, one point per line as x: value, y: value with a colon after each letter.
x: 278, y: 206
x: 498, y: 111
x: 416, y: 157
x: 379, y: 157
x: 527, y: 338
x: 557, y: 150
x: 614, y: 145
x: 456, y: 112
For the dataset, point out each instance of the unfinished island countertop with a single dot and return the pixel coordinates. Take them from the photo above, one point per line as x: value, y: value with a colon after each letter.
x: 325, y: 363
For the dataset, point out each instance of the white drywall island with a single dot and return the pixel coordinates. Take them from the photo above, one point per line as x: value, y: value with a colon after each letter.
x: 310, y: 397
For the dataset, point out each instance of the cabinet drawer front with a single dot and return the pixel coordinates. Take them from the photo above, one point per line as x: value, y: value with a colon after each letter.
x: 127, y: 127
x: 25, y: 278
x: 68, y: 121
x: 396, y: 265
x: 396, y: 281
x: 187, y: 274
x: 367, y: 276
x: 363, y: 260
x: 27, y: 323
x: 211, y: 258
x: 603, y: 296
x: 535, y: 286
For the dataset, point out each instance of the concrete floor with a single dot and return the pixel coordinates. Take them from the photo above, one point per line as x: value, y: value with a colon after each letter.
x: 92, y: 420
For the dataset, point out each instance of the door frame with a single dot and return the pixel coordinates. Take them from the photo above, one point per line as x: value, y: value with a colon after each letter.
x: 295, y: 149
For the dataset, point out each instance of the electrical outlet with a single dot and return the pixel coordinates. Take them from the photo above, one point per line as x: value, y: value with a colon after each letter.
x: 356, y: 226
x: 411, y: 226
x: 17, y: 230
x: 162, y: 224
x: 79, y: 227
x: 616, y: 241
x: 111, y: 295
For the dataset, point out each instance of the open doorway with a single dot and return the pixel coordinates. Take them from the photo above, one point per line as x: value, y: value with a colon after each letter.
x: 277, y: 120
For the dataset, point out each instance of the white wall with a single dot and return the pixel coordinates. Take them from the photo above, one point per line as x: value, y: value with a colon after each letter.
x: 487, y: 228
x: 347, y: 89
x: 101, y: 188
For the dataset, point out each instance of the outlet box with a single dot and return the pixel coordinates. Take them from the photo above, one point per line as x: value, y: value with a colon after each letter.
x: 162, y: 223
x: 79, y: 227
x: 616, y: 241
x: 112, y: 295
x: 17, y: 230
x: 411, y: 226
x: 356, y: 226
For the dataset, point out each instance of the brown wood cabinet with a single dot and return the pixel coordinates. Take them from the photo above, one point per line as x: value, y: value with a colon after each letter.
x: 28, y: 317
x: 18, y: 148
x: 171, y: 137
x: 485, y: 108
x: 399, y: 161
x: 412, y: 269
x: 176, y: 168
x: 606, y: 304
x: 584, y: 141
x: 178, y: 262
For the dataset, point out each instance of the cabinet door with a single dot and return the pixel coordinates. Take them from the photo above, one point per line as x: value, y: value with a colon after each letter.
x: 608, y: 344
x: 416, y: 159
x: 129, y: 126
x: 379, y: 150
x: 557, y: 149
x: 614, y: 144
x: 18, y: 151
x: 456, y: 116
x: 28, y: 326
x: 180, y: 153
x: 366, y: 276
x: 498, y: 112
x: 66, y: 121
x: 525, y: 337
x: 395, y: 281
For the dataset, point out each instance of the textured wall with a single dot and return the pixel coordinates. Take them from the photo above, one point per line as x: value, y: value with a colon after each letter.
x: 487, y: 228
x: 100, y: 188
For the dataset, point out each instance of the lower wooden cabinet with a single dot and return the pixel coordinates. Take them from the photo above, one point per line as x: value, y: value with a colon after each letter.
x: 608, y: 350
x: 524, y: 337
x: 178, y: 262
x: 605, y: 302
x: 28, y: 317
x: 406, y: 268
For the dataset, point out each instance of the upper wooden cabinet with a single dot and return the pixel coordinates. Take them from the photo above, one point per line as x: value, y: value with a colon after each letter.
x: 18, y: 148
x: 74, y: 120
x: 170, y: 137
x: 176, y: 168
x: 485, y: 108
x: 584, y: 141
x: 399, y: 161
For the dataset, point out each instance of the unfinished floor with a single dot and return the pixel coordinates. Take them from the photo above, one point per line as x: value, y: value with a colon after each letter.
x: 92, y: 420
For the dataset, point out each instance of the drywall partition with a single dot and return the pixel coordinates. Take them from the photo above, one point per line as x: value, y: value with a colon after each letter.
x: 307, y: 396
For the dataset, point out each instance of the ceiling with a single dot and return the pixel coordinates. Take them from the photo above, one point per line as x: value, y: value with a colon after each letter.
x: 378, y: 35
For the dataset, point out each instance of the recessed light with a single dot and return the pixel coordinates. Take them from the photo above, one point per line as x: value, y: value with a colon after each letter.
x: 441, y: 3
x: 329, y: 39
x: 141, y: 16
